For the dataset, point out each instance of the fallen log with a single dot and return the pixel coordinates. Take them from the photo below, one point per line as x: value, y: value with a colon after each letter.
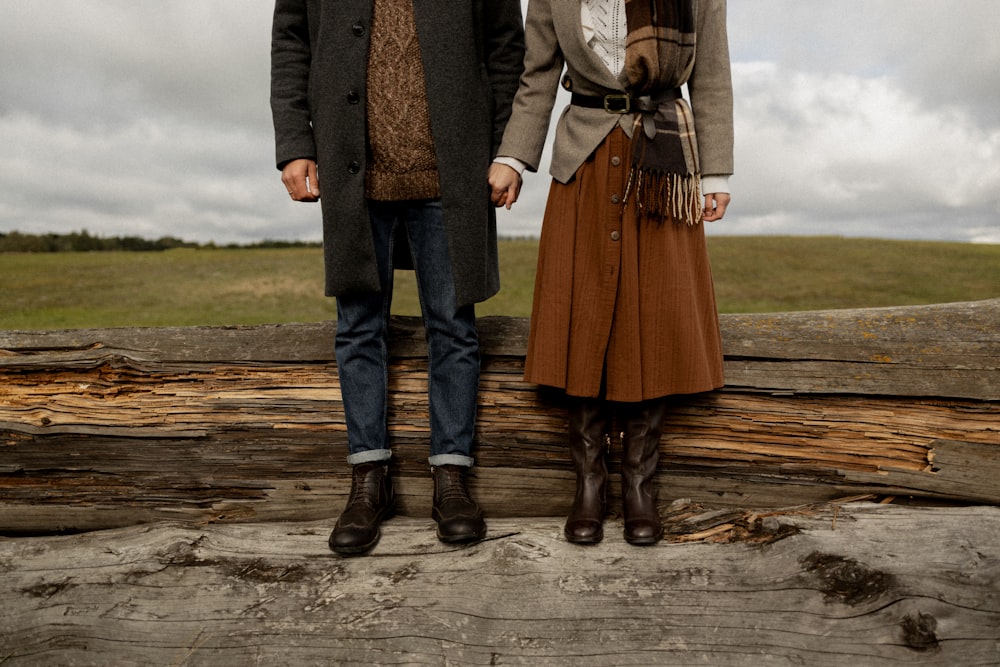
x: 829, y: 585
x: 105, y: 428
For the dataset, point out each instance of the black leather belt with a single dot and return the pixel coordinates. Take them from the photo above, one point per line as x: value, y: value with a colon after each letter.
x: 623, y: 102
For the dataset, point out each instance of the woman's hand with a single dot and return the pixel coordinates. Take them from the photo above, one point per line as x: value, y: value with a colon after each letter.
x: 505, y: 184
x: 715, y: 205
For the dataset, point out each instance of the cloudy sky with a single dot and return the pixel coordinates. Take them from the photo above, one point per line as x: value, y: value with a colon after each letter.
x: 877, y: 118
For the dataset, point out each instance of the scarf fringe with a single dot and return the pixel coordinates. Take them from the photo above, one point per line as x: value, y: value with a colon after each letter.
x: 666, y: 196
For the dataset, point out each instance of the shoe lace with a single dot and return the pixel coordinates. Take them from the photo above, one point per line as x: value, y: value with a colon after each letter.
x: 359, y: 493
x: 455, y: 488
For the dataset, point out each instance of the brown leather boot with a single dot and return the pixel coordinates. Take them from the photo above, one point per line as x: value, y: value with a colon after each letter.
x: 371, y: 502
x: 641, y: 452
x: 588, y: 428
x: 458, y: 516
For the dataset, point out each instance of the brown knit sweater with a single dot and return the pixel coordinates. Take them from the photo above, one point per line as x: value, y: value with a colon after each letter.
x: 401, y: 162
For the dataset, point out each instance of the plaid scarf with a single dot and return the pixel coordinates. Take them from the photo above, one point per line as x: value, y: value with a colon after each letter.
x: 659, y: 57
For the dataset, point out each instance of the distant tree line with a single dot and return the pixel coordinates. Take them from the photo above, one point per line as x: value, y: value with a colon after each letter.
x: 85, y: 242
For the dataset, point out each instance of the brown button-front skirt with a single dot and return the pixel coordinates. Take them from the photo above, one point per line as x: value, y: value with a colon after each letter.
x: 631, y: 302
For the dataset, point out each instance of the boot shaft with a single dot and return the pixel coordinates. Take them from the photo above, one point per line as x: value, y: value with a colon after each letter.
x: 642, y: 428
x: 588, y: 431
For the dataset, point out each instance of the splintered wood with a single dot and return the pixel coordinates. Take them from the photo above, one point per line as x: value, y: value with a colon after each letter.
x: 113, y: 427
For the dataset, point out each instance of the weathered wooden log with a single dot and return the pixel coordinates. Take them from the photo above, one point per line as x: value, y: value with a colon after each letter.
x: 103, y: 428
x: 859, y: 584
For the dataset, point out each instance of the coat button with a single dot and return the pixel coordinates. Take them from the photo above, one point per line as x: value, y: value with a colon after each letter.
x: 615, y: 199
x: 354, y: 167
x: 615, y: 161
x: 353, y: 97
x: 358, y: 29
x: 615, y: 236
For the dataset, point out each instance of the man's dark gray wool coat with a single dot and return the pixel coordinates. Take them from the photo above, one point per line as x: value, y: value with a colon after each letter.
x: 472, y: 53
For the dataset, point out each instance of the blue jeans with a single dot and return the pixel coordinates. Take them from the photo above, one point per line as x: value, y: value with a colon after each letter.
x: 452, y: 342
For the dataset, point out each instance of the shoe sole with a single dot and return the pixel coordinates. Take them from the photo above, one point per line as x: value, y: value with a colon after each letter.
x: 356, y: 551
x: 461, y: 539
x: 643, y: 541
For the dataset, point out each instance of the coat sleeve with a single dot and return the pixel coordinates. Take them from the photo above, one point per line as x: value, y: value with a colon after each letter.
x: 524, y: 138
x: 503, y: 56
x: 291, y: 59
x: 711, y: 89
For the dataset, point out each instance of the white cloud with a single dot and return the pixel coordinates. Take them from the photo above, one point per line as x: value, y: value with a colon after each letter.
x: 151, y: 178
x: 853, y: 118
x: 829, y: 147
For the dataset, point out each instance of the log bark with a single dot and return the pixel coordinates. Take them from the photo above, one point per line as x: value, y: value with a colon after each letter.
x: 833, y: 585
x: 104, y: 428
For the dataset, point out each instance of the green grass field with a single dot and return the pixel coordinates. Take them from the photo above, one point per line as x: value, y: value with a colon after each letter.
x: 255, y: 286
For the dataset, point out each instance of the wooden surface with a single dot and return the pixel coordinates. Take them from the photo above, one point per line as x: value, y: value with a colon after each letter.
x: 105, y: 428
x: 944, y: 350
x: 208, y: 464
x: 851, y: 585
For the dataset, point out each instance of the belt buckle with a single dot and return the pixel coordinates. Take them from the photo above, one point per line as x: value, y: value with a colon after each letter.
x: 623, y: 98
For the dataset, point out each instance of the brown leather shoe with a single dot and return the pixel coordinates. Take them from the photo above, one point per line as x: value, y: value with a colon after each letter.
x: 640, y: 455
x: 371, y: 502
x: 588, y: 427
x: 458, y: 516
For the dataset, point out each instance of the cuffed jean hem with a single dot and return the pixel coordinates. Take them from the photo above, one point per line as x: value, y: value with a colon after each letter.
x: 370, y: 456
x: 451, y: 460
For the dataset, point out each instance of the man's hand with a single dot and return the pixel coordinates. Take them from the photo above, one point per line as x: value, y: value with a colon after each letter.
x: 715, y: 205
x: 505, y: 185
x: 301, y: 180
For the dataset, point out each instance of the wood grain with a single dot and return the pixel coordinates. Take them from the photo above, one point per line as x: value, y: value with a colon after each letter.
x: 853, y: 584
x: 105, y: 428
